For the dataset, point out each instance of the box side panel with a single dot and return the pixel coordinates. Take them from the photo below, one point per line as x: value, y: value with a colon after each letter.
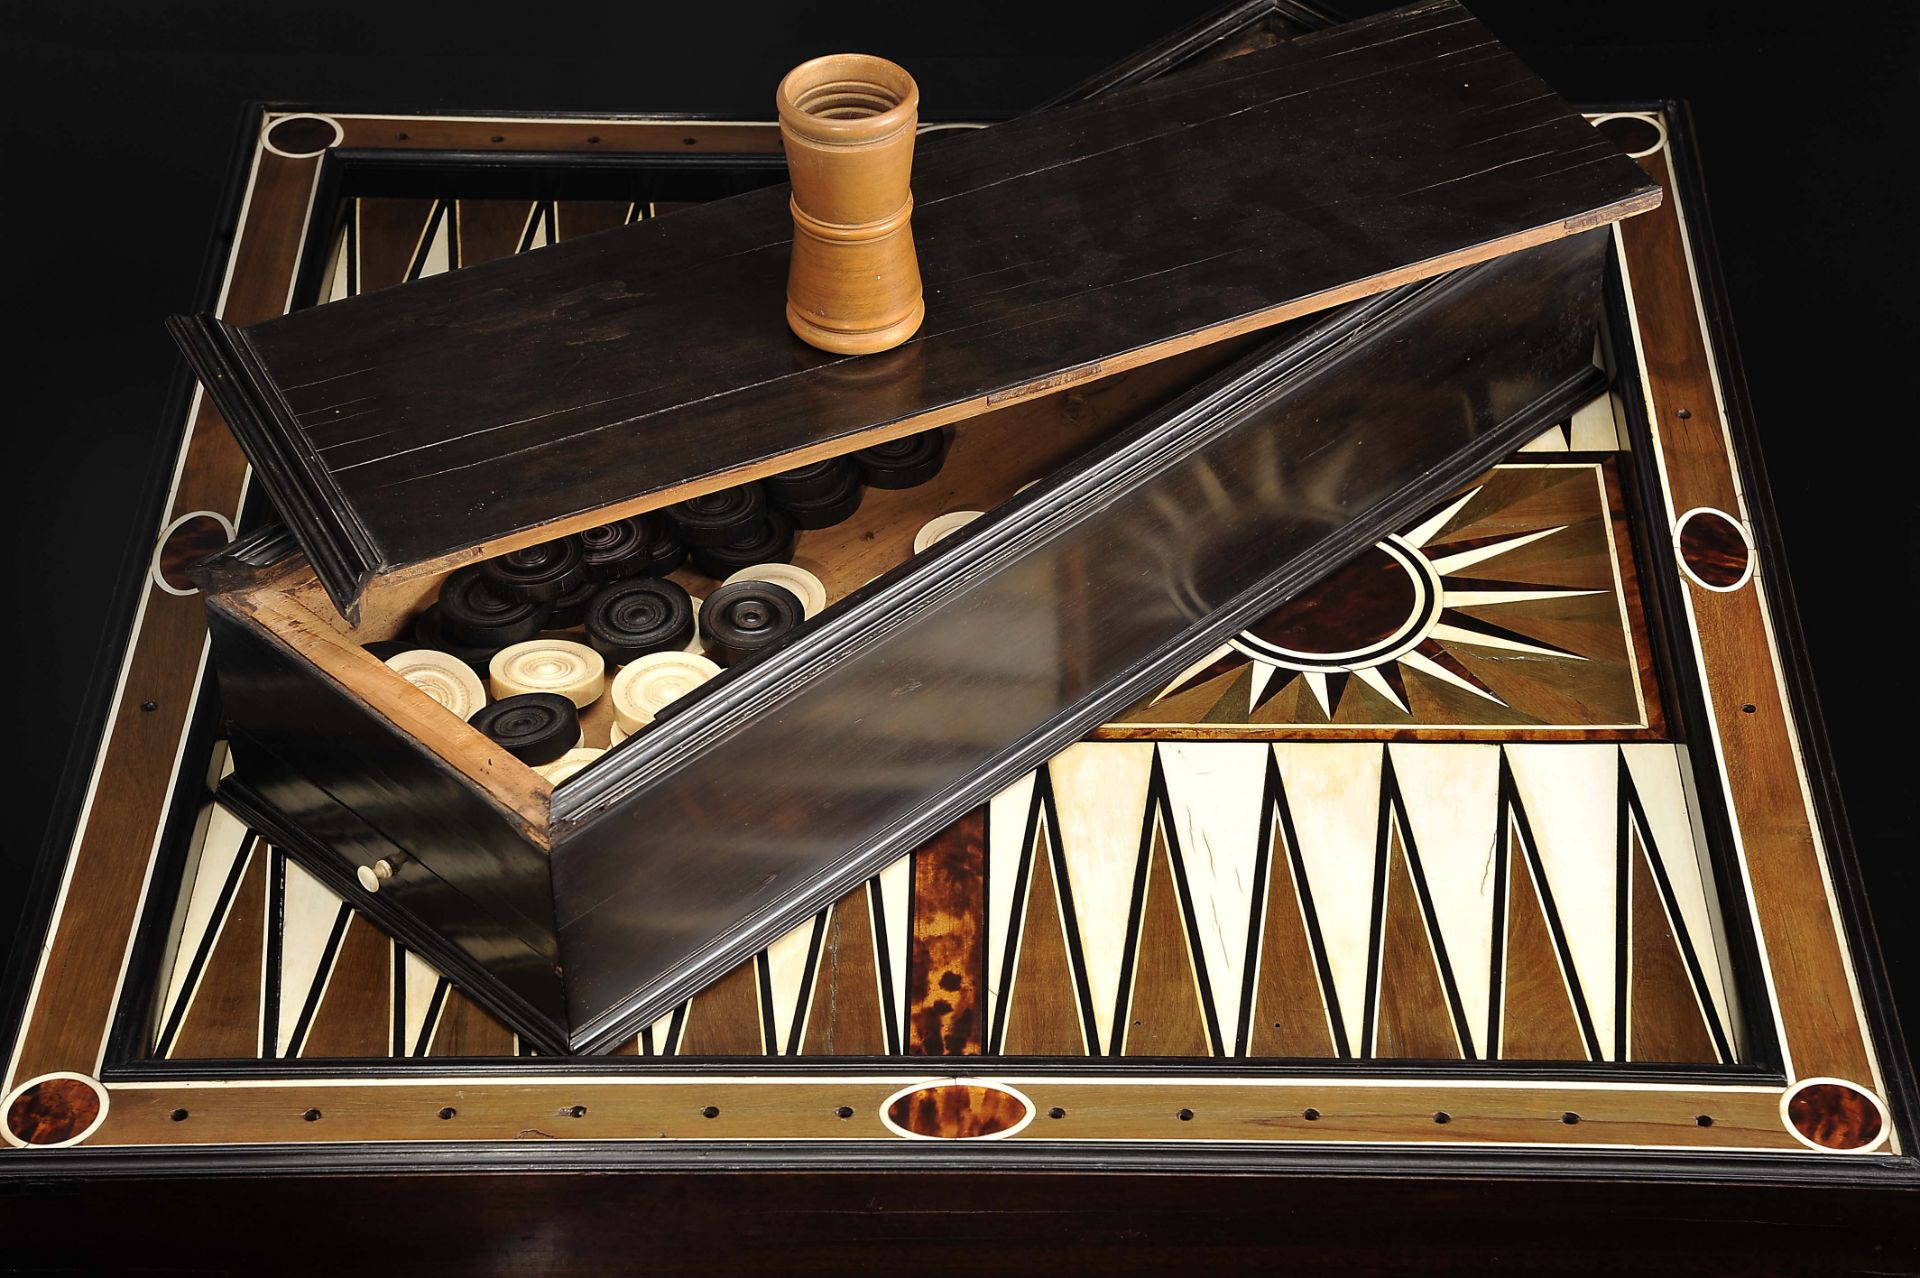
x: 512, y: 977
x: 353, y: 783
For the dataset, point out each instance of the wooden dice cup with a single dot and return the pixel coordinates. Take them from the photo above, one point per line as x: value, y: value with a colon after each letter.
x: 847, y: 122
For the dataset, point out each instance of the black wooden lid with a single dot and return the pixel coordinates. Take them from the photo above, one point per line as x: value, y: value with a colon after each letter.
x: 401, y: 431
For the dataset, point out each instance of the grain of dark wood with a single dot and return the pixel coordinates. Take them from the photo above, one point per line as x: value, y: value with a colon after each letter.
x: 1665, y: 1014
x: 847, y: 1017
x: 494, y: 405
x: 1415, y: 1019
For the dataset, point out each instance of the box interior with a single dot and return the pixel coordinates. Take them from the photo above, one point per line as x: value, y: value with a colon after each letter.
x: 990, y: 458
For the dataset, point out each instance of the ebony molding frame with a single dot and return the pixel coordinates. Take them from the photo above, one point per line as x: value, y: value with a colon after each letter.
x: 1859, y: 1190
x: 337, y: 544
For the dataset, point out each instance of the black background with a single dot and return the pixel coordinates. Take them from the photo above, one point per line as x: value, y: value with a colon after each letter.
x: 121, y: 121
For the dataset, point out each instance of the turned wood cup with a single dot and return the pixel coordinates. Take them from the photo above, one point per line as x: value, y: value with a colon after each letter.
x: 847, y: 121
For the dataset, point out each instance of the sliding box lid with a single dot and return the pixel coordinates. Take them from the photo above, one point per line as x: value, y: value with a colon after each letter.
x: 408, y: 430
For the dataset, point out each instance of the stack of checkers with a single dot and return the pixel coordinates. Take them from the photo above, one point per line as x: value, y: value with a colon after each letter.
x: 534, y: 645
x: 755, y: 523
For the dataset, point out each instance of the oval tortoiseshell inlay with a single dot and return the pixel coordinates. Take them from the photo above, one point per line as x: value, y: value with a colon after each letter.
x: 303, y: 135
x: 1631, y: 134
x: 1368, y: 602
x: 1835, y: 1115
x: 192, y: 538
x: 959, y: 1111
x: 53, y: 1111
x: 1714, y: 549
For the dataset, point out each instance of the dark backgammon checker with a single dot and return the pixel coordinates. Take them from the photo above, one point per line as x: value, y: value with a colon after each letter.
x: 902, y: 463
x: 748, y: 618
x: 628, y: 619
x: 536, y: 727
x: 721, y: 518
x: 540, y: 573
x: 623, y: 548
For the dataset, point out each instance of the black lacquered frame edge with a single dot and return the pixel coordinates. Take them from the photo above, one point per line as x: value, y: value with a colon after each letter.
x: 341, y: 553
x: 1481, y: 1166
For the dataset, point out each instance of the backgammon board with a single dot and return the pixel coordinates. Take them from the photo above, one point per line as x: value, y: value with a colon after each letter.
x: 1501, y: 849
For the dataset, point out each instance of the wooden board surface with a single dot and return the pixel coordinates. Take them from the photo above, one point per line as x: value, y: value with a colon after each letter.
x: 542, y: 393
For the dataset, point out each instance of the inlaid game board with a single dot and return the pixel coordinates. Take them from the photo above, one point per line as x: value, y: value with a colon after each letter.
x: 1502, y: 841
